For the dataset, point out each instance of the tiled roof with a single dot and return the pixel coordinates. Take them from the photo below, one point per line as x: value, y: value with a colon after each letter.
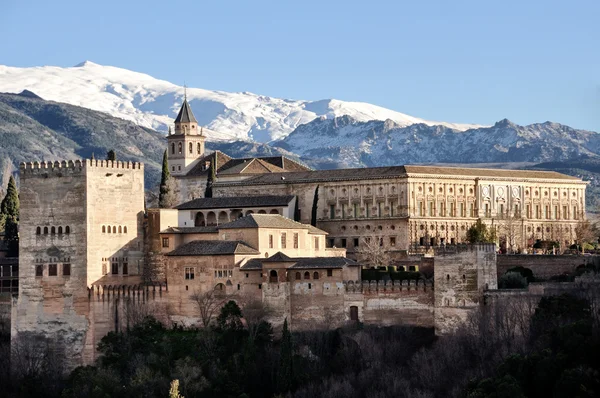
x: 395, y: 171
x: 212, y: 247
x: 185, y: 114
x: 199, y: 169
x: 237, y: 201
x: 190, y: 230
x: 278, y: 257
x: 305, y: 263
x: 268, y: 221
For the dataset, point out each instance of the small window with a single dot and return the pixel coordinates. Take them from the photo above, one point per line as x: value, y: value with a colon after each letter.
x: 53, y: 230
x: 124, y: 229
x: 295, y: 240
x: 180, y: 147
x: 115, y: 268
x: 270, y: 241
x: 173, y: 150
x: 52, y: 270
x: 109, y: 229
x: 329, y: 272
x: 191, y: 148
x: 67, y: 230
x: 247, y: 275
x: 355, y: 242
x: 298, y: 276
x: 125, y: 269
x: 114, y: 230
x: 45, y: 230
x: 39, y: 270
x: 66, y: 269
x: 189, y: 273
x: 178, y: 168
x: 315, y: 275
x: 307, y: 275
x: 238, y: 286
x: 38, y: 231
x: 60, y: 230
x: 283, y: 240
x: 199, y: 147
x: 316, y: 243
x: 259, y: 286
x: 310, y: 285
x: 120, y: 230
x: 104, y: 270
x: 392, y: 241
x: 103, y: 229
x: 165, y: 242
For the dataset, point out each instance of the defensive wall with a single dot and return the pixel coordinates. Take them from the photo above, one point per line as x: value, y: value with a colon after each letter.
x: 544, y: 266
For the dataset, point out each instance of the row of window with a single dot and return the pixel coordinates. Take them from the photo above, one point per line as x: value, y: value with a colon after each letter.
x: 283, y: 240
x: 114, y: 266
x: 343, y: 242
x: 114, y: 229
x: 53, y: 269
x: 190, y: 148
x: 440, y: 210
x: 53, y: 230
x: 356, y: 211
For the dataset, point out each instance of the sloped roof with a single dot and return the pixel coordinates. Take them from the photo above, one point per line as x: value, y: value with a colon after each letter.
x: 268, y: 221
x: 278, y: 257
x: 190, y: 230
x: 185, y: 114
x: 237, y: 201
x: 212, y: 247
x: 397, y: 171
x: 305, y: 263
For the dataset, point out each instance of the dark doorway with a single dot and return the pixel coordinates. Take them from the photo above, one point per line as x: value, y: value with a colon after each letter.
x: 354, y: 313
x: 273, y: 276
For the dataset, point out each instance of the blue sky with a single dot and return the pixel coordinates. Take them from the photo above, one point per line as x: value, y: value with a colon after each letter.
x: 459, y: 61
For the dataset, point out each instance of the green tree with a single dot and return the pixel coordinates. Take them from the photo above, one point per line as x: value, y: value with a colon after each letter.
x: 285, y: 360
x: 313, y: 215
x: 212, y: 177
x: 479, y: 233
x: 111, y: 155
x: 9, y: 213
x: 165, y: 196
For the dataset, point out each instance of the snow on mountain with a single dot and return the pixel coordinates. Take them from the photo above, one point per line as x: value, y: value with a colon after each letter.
x: 346, y: 142
x: 153, y: 103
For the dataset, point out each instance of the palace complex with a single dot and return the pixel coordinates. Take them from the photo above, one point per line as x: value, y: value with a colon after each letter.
x: 267, y: 230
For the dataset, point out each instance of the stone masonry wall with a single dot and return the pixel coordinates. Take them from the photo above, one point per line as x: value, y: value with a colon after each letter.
x: 544, y: 266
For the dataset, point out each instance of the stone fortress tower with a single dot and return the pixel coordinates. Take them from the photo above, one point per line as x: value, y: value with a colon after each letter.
x: 186, y: 145
x: 81, y: 225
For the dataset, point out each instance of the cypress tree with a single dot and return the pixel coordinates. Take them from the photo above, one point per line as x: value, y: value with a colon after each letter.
x: 111, y: 155
x: 285, y: 360
x: 9, y: 211
x: 313, y: 218
x: 165, y: 197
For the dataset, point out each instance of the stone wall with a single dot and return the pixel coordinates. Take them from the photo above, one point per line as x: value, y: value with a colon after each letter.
x: 544, y: 266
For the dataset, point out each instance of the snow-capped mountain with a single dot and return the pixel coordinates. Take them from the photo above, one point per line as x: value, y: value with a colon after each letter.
x: 153, y: 103
x: 347, y: 142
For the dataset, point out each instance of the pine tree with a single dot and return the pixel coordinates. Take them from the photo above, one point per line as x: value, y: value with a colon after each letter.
x: 285, y: 360
x: 9, y: 212
x: 165, y: 196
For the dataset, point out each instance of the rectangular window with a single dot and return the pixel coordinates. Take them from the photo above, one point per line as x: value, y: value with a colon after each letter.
x: 270, y: 241
x: 355, y: 210
x: 189, y: 273
x: 343, y: 242
x: 392, y: 241
x: 367, y: 210
x: 343, y: 210
x: 52, y: 270
x: 501, y: 209
x: 392, y: 206
x: 39, y: 270
x: 430, y: 212
x: 421, y: 209
x: 452, y: 209
x: 125, y: 269
x: 471, y: 209
x: 528, y: 211
x: 537, y: 211
x: 441, y: 209
x: 462, y: 210
x: 355, y: 243
x: 330, y: 242
x: 547, y: 212
x: 165, y: 242
x: 575, y: 216
x: 316, y: 243
x: 295, y: 240
x: 380, y: 209
x: 556, y: 213
x: 283, y: 240
x: 329, y: 272
x: 517, y: 213
x: 115, y: 268
x: 66, y: 269
x: 104, y: 270
x: 332, y: 211
x: 565, y: 212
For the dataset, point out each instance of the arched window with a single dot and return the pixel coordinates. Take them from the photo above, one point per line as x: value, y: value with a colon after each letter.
x: 109, y: 229
x: 114, y: 230
x: 125, y: 229
x: 273, y: 276
x: 191, y: 148
x: 60, y: 230
x: 307, y: 275
x: 52, y: 230
x: 38, y: 231
x: 199, y: 147
x: 67, y: 230
x: 298, y: 276
x: 315, y: 275
x: 120, y: 229
x: 45, y: 230
x: 103, y: 229
x: 173, y: 149
x: 180, y: 147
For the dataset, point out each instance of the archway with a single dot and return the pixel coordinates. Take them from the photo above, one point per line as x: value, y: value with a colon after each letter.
x: 200, y: 221
x: 274, y: 211
x: 219, y: 289
x: 249, y: 212
x: 273, y: 276
x: 262, y: 212
x: 223, y: 218
x: 211, y: 218
x: 354, y: 313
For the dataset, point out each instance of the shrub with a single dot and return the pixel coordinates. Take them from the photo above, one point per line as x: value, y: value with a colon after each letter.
x: 525, y: 272
x: 512, y: 280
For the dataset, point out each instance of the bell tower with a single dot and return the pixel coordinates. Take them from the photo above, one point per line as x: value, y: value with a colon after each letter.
x: 186, y: 145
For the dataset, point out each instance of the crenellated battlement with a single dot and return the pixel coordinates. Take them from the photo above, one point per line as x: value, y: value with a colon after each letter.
x: 405, y: 286
x: 58, y: 168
